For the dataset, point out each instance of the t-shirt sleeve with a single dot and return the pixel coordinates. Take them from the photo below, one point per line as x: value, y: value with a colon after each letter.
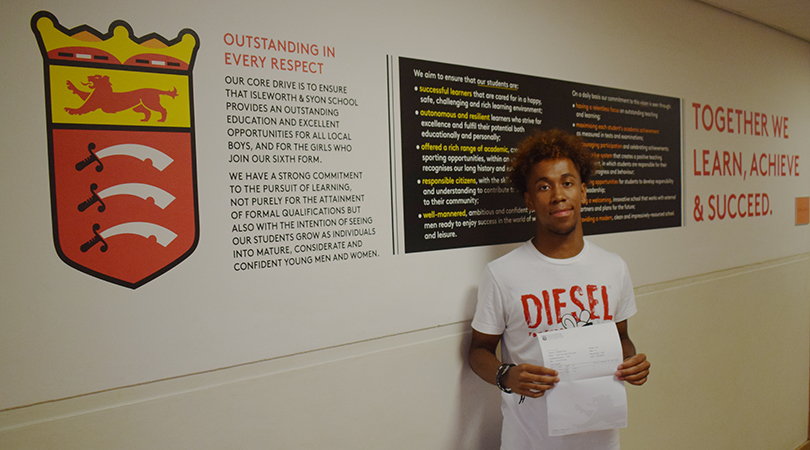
x: 627, y: 305
x: 489, y: 312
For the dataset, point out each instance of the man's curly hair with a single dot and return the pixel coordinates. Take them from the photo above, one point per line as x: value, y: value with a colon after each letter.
x: 550, y: 144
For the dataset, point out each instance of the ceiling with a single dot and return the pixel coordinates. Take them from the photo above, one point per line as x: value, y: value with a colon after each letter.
x: 789, y: 16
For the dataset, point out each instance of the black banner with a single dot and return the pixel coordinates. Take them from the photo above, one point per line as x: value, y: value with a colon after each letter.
x: 460, y: 126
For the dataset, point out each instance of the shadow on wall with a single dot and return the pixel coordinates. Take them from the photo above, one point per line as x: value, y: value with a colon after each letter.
x: 478, y: 413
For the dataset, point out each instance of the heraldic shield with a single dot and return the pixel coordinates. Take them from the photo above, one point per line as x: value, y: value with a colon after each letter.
x: 120, y: 123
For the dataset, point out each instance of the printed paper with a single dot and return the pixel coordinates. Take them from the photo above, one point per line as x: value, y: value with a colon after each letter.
x: 588, y: 397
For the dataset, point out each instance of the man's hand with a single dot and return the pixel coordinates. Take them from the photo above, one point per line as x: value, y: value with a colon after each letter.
x: 530, y: 380
x: 634, y: 369
x: 524, y: 379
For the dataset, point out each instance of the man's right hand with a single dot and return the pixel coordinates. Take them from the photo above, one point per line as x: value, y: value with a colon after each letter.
x: 530, y: 380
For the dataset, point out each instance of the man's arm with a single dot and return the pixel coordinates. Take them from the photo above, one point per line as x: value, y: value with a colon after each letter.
x: 635, y: 369
x: 524, y: 379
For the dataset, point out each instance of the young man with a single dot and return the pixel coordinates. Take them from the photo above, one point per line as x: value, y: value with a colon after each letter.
x: 554, y: 281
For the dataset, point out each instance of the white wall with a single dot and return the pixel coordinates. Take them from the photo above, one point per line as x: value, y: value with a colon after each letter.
x: 372, y: 353
x: 725, y: 376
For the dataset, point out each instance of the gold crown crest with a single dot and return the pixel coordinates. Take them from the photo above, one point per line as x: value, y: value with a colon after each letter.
x: 177, y: 54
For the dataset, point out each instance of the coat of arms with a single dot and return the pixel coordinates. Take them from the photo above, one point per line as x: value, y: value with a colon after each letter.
x: 121, y: 148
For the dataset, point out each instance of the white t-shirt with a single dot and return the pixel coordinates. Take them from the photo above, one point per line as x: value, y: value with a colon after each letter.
x: 526, y: 293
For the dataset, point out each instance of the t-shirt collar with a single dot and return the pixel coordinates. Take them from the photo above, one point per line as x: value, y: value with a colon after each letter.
x: 557, y: 261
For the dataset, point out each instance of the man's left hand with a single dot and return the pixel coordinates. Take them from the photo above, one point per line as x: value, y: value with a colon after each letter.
x: 634, y: 370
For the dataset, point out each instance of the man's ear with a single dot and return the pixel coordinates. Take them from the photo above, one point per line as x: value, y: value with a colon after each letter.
x: 528, y: 199
x: 584, y: 194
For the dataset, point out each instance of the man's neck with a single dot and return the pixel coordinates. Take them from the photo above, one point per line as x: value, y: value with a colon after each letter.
x: 559, y: 246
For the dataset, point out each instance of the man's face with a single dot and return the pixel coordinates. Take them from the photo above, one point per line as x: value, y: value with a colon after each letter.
x: 555, y: 192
